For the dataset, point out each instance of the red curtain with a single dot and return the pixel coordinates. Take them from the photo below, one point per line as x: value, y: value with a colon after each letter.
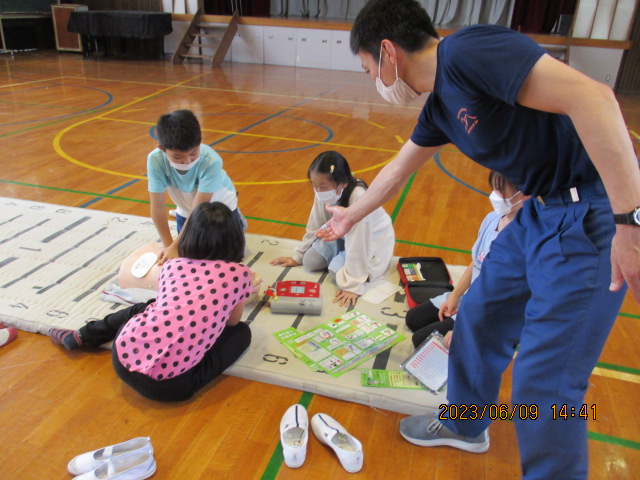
x: 540, y: 16
x: 250, y: 8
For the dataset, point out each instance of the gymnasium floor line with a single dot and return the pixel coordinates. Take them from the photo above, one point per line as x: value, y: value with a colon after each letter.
x: 60, y: 134
x: 71, y: 117
x: 242, y: 132
x: 57, y: 147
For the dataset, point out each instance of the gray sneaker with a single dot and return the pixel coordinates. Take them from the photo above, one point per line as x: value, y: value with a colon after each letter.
x: 428, y: 431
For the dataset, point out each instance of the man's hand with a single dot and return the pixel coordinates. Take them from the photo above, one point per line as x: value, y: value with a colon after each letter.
x: 345, y: 299
x: 625, y: 260
x: 337, y: 226
x: 285, y: 262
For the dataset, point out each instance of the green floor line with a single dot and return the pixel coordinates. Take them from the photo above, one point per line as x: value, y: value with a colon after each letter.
x: 629, y: 315
x: 403, y: 197
x: 437, y: 247
x: 281, y: 222
x: 620, y: 442
x: 80, y: 192
x: 618, y: 368
x: 275, y: 462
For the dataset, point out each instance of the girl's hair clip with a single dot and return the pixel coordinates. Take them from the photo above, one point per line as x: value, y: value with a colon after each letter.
x: 331, y: 168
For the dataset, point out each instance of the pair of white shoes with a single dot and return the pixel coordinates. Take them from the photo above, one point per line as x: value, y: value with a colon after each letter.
x: 294, y: 433
x: 130, y: 460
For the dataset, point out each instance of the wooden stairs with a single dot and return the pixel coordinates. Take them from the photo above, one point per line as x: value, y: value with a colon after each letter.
x: 206, y: 41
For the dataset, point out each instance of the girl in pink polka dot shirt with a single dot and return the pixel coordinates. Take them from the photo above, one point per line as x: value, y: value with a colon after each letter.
x: 173, y: 345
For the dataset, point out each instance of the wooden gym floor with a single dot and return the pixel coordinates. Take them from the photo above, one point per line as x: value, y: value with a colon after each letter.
x: 76, y: 132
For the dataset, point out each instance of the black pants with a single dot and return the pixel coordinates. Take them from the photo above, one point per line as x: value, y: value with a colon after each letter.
x: 229, y: 346
x: 423, y: 320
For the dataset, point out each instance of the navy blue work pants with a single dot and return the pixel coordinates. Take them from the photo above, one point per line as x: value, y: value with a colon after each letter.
x: 545, y: 287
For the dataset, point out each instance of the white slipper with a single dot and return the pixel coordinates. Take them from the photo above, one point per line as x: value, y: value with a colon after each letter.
x: 294, y: 434
x: 346, y: 446
x: 131, y: 466
x: 91, y: 460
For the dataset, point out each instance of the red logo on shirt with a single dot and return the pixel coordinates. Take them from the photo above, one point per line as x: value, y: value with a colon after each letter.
x: 467, y: 120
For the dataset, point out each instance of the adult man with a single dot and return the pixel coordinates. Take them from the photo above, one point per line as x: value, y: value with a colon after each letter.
x: 553, y: 281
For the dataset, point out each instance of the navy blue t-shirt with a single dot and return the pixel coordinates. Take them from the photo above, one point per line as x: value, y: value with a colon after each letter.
x: 473, y: 105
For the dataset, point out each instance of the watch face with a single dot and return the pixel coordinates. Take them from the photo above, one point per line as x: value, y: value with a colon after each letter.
x: 636, y: 216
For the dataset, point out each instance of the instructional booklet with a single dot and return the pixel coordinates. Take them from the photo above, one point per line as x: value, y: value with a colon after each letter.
x: 429, y: 363
x: 370, y: 377
x: 341, y: 344
x: 412, y: 271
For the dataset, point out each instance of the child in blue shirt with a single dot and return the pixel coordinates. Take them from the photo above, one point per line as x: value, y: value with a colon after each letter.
x: 189, y: 171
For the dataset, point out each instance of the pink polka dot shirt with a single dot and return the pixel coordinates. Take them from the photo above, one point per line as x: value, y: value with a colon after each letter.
x: 195, y: 299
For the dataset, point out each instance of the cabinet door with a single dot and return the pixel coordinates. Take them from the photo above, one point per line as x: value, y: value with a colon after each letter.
x: 313, y: 48
x: 280, y: 46
x: 65, y: 40
x: 341, y: 56
x: 247, y: 46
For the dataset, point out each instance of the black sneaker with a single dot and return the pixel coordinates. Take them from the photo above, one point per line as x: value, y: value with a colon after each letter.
x: 428, y: 431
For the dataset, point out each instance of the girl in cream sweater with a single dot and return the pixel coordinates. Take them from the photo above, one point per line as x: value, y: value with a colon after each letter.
x: 364, y: 253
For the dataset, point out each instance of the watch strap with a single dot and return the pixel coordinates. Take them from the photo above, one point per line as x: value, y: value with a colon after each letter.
x: 630, y: 218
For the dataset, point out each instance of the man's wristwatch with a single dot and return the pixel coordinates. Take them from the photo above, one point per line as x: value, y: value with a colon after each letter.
x: 631, y: 218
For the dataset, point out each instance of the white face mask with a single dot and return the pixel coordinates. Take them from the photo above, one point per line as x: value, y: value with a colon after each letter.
x: 182, y: 166
x: 330, y: 197
x: 399, y: 93
x: 502, y: 206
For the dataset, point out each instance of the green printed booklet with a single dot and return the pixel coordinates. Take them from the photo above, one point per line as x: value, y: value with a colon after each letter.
x: 370, y: 377
x: 341, y: 344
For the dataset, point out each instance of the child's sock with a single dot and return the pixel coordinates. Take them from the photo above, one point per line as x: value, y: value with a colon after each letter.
x: 70, y: 339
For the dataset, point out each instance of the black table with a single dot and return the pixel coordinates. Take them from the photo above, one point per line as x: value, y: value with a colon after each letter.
x: 92, y: 25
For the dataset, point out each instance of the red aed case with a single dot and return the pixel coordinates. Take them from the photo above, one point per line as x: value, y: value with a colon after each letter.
x: 424, y: 278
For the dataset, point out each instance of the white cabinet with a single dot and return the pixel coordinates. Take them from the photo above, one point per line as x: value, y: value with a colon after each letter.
x: 248, y: 44
x: 313, y: 48
x: 280, y: 46
x: 341, y: 56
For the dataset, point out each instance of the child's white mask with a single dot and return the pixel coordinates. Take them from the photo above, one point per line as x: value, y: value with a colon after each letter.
x: 182, y: 166
x: 502, y: 206
x: 331, y: 196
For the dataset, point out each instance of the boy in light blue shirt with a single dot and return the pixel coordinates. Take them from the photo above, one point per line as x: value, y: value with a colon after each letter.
x: 189, y: 171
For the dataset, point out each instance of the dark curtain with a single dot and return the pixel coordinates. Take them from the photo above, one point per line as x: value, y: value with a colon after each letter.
x: 539, y: 16
x: 250, y: 8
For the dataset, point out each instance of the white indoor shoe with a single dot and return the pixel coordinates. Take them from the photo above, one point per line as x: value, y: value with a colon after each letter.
x: 294, y: 433
x: 91, y: 460
x: 131, y: 466
x: 347, y: 447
